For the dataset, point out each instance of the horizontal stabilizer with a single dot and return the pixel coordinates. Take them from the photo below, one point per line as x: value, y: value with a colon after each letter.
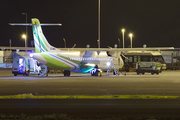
x: 29, y: 24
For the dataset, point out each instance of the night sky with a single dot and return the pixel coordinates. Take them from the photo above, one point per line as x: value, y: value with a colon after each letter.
x: 152, y: 22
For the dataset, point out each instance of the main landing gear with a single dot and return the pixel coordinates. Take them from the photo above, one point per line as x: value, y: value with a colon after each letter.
x: 67, y: 73
x: 95, y: 71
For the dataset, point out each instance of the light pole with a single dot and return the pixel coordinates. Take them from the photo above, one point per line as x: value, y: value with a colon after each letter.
x: 130, y: 35
x: 123, y: 30
x: 10, y: 43
x: 98, y: 43
x: 119, y: 42
x: 74, y: 46
x: 64, y: 42
x: 26, y: 43
x: 99, y: 2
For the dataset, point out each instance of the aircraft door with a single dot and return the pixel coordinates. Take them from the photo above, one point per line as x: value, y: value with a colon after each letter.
x: 115, y: 61
x: 118, y: 62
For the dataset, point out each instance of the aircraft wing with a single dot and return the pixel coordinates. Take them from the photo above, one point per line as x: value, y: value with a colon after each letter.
x: 118, y: 49
x: 16, y: 48
x: 97, y: 49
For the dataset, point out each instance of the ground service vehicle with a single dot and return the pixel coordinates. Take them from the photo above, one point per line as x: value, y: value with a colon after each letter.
x: 132, y: 57
x: 152, y: 67
x: 25, y: 65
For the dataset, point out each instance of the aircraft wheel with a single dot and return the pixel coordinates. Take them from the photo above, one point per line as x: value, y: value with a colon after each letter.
x: 94, y: 72
x: 67, y: 73
x: 157, y: 73
x: 138, y: 73
x: 15, y: 74
x: 152, y: 73
x: 143, y: 73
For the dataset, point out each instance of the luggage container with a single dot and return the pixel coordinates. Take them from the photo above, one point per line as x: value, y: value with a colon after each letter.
x: 151, y: 67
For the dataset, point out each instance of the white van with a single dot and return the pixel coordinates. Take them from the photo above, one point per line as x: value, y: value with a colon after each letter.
x: 25, y: 65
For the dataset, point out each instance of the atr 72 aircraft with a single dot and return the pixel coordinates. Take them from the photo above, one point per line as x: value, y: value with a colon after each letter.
x: 80, y: 60
x: 83, y: 61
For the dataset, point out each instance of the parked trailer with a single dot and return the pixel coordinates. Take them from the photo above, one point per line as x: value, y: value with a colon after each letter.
x: 25, y: 66
x: 151, y: 67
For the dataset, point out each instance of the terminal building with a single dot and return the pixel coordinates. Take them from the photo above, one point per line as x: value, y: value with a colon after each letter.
x: 171, y: 58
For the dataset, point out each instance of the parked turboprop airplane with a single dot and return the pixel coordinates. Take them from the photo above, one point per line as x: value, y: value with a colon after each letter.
x: 80, y: 60
x: 83, y: 61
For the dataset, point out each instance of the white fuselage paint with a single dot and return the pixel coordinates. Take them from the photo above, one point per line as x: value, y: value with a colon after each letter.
x: 101, y: 59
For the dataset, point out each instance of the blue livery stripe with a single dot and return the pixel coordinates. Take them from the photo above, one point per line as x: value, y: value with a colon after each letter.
x: 63, y: 60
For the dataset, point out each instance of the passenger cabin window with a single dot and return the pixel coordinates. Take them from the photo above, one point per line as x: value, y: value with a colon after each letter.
x: 151, y: 59
x: 139, y: 58
x: 145, y: 58
x: 135, y: 59
x: 126, y: 60
x: 130, y: 59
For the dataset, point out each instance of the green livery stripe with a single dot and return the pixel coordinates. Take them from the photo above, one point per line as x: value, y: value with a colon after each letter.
x: 55, y: 63
x: 45, y: 42
x: 39, y: 39
x: 37, y: 50
x: 67, y: 58
x: 82, y: 64
x: 42, y: 36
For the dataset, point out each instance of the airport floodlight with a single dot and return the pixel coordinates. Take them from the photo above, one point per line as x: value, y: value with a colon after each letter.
x: 123, y: 30
x: 24, y: 36
x: 130, y: 35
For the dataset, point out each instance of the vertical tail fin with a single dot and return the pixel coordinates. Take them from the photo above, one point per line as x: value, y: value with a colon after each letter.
x: 40, y: 41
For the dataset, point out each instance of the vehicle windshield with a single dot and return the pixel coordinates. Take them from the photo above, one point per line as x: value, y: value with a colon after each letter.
x: 158, y: 59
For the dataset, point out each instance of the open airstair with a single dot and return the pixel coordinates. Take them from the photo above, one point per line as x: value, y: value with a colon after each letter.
x: 43, y: 70
x: 114, y: 68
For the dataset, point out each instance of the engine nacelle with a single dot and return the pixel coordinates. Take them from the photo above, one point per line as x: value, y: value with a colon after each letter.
x: 114, y: 53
